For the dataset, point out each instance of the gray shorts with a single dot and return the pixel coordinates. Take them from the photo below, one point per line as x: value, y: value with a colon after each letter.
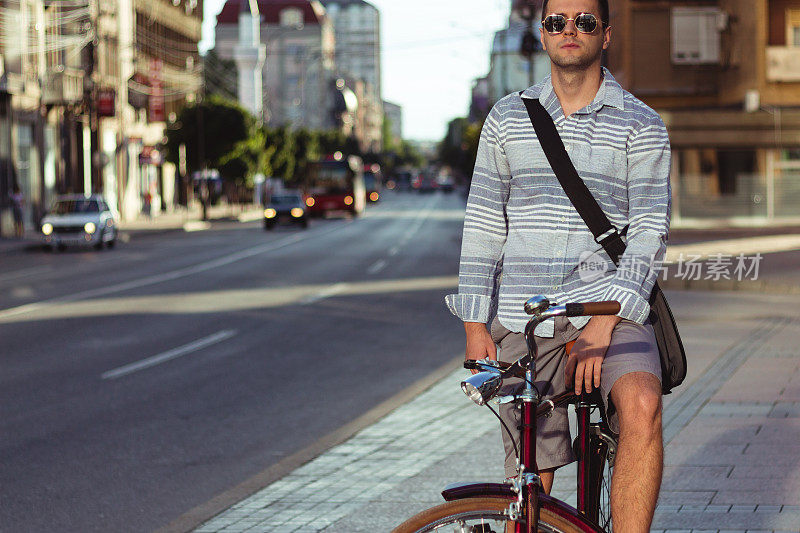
x: 633, y: 349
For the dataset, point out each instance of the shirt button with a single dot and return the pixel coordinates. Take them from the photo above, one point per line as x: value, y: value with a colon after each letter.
x: 569, y: 147
x: 563, y: 219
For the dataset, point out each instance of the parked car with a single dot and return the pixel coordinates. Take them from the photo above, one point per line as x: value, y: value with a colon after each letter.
x: 79, y: 220
x: 285, y: 208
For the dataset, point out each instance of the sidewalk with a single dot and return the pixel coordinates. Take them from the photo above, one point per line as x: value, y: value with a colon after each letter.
x: 732, y: 436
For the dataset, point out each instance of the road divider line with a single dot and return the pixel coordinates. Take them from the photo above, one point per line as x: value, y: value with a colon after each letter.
x: 325, y: 293
x: 169, y: 355
x: 167, y: 276
x: 377, y: 266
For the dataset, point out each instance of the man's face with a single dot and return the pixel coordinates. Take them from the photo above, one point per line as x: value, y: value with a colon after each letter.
x: 571, y: 49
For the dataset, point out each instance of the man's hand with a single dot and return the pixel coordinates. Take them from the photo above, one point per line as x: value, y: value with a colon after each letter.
x: 479, y: 343
x: 586, y: 358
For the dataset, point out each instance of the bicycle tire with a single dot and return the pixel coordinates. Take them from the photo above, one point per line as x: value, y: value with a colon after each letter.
x: 480, y: 511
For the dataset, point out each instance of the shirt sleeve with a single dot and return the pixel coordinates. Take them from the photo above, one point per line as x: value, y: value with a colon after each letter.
x: 649, y: 209
x: 485, y: 227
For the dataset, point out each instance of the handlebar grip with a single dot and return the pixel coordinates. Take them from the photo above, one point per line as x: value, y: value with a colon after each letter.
x: 593, y: 308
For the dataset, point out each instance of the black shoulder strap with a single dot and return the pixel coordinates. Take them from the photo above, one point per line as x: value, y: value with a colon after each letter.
x: 604, y: 232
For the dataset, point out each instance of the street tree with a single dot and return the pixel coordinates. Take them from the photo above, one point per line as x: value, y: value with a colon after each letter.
x: 210, y: 130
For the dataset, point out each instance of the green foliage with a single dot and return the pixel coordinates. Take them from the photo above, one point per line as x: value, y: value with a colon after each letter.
x: 211, y: 130
x: 282, y: 139
x: 219, y: 134
x: 306, y: 149
x: 460, y: 147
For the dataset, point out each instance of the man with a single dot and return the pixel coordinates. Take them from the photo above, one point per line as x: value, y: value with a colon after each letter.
x: 523, y: 237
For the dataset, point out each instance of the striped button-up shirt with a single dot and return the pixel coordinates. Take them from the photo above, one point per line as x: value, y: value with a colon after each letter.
x: 522, y: 235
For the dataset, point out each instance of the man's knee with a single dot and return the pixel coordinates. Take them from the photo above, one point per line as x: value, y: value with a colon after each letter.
x: 637, y: 398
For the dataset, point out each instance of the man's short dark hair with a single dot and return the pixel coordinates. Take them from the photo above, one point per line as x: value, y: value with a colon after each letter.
x: 603, y: 11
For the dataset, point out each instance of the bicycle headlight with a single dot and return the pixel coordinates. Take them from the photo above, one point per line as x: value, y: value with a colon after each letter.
x: 482, y: 387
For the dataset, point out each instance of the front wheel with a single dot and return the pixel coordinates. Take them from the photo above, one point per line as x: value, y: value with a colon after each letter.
x: 484, y: 515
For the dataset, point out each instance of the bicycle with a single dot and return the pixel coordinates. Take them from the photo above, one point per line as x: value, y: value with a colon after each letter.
x: 521, y: 506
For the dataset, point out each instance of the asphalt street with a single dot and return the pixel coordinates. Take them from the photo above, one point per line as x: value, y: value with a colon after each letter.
x: 140, y: 382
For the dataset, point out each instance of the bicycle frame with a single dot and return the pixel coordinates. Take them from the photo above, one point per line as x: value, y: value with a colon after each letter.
x: 527, y: 488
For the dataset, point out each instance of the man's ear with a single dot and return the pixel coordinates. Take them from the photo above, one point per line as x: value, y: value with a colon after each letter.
x: 606, y: 38
x: 541, y: 39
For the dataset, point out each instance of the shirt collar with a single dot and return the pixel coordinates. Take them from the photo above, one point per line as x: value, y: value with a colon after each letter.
x: 610, y: 93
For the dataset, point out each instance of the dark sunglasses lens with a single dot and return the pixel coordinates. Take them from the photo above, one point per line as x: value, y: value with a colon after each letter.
x: 586, y: 23
x: 555, y: 23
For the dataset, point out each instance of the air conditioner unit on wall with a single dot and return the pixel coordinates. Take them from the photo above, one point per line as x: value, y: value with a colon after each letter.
x: 696, y: 35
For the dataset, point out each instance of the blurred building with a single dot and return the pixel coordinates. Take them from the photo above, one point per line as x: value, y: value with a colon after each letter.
x: 510, y: 71
x: 358, y: 40
x: 725, y: 75
x: 480, y: 102
x: 249, y: 55
x: 299, y: 63
x: 394, y: 114
x: 358, y: 57
x: 86, y: 89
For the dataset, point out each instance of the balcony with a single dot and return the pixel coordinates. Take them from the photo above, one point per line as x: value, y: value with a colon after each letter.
x: 63, y: 87
x: 783, y: 63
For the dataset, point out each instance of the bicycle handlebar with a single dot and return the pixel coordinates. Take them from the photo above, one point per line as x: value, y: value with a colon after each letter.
x: 592, y: 308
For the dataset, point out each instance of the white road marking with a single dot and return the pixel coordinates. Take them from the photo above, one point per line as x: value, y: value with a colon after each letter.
x: 377, y: 266
x: 325, y: 293
x: 168, y: 276
x: 394, y: 251
x: 169, y: 355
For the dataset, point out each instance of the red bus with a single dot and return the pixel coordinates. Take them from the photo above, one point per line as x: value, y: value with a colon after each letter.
x: 335, y: 184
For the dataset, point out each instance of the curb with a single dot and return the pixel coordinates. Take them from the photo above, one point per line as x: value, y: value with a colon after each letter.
x: 201, y: 514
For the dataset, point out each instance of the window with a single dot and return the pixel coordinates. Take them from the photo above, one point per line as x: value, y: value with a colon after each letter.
x: 291, y: 17
x: 793, y: 27
x: 696, y: 34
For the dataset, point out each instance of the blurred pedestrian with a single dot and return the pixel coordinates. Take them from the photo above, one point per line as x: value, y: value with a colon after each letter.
x: 17, y: 203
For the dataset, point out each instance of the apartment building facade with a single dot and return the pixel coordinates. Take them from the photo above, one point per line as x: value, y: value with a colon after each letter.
x: 86, y: 91
x: 725, y: 76
x: 358, y: 40
x: 299, y: 67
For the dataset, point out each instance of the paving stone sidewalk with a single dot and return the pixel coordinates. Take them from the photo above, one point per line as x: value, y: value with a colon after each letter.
x: 732, y: 436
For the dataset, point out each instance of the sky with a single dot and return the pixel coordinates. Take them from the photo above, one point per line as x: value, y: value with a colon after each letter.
x: 432, y: 50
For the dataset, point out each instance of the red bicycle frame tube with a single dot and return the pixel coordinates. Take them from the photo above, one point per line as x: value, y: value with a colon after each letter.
x: 582, y: 451
x: 528, y: 443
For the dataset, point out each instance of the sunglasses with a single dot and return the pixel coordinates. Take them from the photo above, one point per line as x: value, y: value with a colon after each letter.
x: 584, y: 23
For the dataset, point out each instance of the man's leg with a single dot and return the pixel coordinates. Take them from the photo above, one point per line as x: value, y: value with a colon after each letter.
x: 640, y: 454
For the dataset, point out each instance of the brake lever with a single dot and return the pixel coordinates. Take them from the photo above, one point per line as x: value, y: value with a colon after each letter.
x: 482, y: 364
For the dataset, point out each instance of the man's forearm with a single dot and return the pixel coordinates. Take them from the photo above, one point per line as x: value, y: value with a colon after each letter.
x: 474, y: 327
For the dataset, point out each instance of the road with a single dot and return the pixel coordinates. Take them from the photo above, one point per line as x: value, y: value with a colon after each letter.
x: 140, y: 382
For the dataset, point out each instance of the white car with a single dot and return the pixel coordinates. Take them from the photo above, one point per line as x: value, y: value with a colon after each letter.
x: 79, y: 220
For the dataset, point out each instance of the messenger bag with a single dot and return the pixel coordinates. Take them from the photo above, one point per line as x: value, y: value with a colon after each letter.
x: 670, y: 346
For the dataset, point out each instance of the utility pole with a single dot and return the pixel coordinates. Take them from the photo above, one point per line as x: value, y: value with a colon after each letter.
x: 89, y: 101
